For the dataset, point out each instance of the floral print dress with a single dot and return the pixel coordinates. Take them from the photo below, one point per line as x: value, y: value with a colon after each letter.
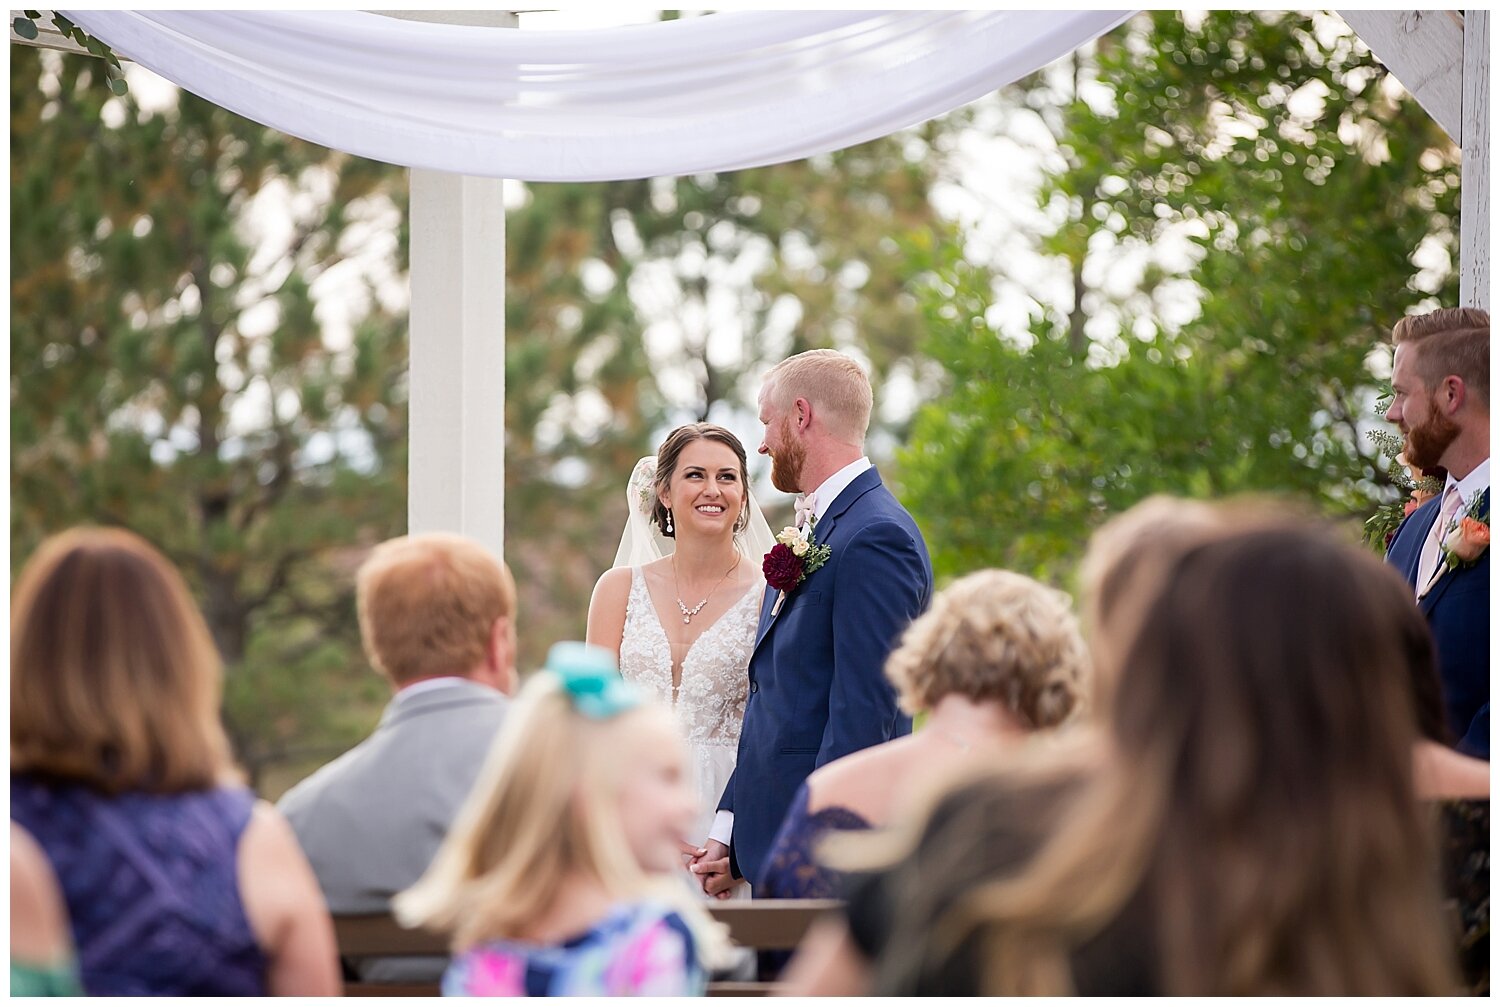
x: 639, y: 949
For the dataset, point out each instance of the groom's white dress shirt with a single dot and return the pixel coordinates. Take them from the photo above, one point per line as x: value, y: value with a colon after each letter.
x: 823, y: 498
x: 1475, y: 482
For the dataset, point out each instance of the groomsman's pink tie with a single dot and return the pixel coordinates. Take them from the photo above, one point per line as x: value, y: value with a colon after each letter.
x: 1427, y: 566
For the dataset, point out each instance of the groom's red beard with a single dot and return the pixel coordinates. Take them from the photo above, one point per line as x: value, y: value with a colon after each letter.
x: 1426, y: 442
x: 786, y: 464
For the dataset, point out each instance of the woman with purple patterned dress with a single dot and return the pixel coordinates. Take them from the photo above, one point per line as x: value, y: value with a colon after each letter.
x: 176, y: 880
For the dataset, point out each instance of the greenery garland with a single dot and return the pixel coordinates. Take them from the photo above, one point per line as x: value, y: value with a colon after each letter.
x: 114, y: 74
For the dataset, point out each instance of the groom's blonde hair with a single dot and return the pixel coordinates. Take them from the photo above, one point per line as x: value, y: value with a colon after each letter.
x: 836, y: 386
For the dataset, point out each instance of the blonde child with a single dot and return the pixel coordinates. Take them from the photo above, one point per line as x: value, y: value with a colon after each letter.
x: 557, y: 878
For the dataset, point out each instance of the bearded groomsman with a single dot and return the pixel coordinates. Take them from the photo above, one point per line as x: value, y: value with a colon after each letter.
x: 1441, y: 380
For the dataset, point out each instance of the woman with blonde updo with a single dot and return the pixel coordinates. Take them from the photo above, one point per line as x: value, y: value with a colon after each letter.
x: 997, y: 658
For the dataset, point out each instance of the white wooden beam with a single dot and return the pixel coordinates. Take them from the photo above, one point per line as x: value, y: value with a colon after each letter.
x: 1424, y: 49
x: 1474, y: 204
x: 456, y: 470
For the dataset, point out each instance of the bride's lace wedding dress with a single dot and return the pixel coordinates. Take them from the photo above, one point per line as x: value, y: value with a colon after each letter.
x: 710, y: 701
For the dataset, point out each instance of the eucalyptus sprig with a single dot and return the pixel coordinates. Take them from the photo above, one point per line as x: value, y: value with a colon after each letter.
x: 114, y: 74
x: 1381, y: 526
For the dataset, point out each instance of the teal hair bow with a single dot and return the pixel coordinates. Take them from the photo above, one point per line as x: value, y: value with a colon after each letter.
x: 593, y: 684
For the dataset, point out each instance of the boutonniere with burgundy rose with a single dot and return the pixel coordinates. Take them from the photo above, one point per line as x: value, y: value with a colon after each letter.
x: 1468, y: 535
x: 795, y: 556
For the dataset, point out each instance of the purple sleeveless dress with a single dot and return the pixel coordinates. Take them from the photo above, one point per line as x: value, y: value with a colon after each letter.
x: 151, y: 886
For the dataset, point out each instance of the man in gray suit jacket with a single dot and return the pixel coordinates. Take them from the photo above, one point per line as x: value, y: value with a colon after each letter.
x: 437, y: 616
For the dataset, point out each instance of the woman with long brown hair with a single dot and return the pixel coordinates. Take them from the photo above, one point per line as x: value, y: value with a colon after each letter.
x: 1246, y: 823
x: 176, y: 880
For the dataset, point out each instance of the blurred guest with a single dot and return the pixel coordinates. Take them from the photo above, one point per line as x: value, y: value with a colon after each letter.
x: 1441, y: 384
x: 1443, y: 774
x: 997, y: 657
x: 437, y: 615
x: 1246, y: 826
x: 41, y: 951
x: 563, y: 873
x: 176, y: 880
x: 1459, y: 786
x: 1440, y: 772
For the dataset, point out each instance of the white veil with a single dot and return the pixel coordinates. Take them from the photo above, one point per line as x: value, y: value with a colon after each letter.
x: 643, y: 541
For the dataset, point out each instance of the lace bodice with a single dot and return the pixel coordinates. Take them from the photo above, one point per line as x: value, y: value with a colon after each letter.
x: 710, y: 702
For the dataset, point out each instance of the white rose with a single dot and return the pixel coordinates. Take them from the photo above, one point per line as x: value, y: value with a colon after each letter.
x: 799, y: 548
x: 1455, y: 539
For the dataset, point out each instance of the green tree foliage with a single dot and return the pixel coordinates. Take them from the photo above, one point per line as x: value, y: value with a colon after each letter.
x: 1304, y: 187
x: 170, y: 373
x: 160, y: 310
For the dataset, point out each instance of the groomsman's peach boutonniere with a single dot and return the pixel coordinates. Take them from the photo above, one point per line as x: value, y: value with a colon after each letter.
x: 795, y: 555
x: 1468, y: 536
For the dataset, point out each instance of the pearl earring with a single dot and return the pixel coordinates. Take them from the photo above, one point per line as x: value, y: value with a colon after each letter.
x: 669, y: 520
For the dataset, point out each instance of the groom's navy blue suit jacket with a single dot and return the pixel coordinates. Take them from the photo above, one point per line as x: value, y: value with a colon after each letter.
x: 1458, y: 611
x: 817, y: 676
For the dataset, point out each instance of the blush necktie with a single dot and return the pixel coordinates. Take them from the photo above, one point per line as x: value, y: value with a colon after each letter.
x: 1431, y: 547
x: 807, y: 507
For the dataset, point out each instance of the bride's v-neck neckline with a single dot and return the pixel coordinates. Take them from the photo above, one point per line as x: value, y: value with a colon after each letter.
x: 674, y: 671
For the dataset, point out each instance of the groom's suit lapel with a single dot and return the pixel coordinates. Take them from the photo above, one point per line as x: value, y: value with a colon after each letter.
x: 862, y: 484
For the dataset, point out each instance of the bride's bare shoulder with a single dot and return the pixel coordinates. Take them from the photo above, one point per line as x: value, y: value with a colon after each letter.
x: 607, y: 608
x: 613, y: 586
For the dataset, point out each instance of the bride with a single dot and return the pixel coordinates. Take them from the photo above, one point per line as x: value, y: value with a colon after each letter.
x: 681, y: 606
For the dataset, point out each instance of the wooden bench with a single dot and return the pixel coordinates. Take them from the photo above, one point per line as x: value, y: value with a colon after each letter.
x: 770, y: 925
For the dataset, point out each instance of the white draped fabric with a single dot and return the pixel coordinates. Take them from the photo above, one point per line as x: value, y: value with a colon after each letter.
x: 712, y: 93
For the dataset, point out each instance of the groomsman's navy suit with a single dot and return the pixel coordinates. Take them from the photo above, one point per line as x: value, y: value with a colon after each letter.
x: 817, y: 682
x: 1458, y: 611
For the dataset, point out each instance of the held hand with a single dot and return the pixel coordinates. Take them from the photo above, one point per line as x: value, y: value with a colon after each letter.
x: 715, y: 877
x: 720, y: 886
x: 712, y: 868
x: 713, y: 852
x: 694, y: 855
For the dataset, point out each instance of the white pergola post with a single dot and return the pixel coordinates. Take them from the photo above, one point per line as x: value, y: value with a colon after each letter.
x: 1474, y: 208
x: 1443, y: 58
x: 456, y: 470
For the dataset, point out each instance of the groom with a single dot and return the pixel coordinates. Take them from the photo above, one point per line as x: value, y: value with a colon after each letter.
x: 817, y: 685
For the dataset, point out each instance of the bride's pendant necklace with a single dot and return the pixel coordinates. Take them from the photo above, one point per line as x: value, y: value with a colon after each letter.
x: 688, y: 613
